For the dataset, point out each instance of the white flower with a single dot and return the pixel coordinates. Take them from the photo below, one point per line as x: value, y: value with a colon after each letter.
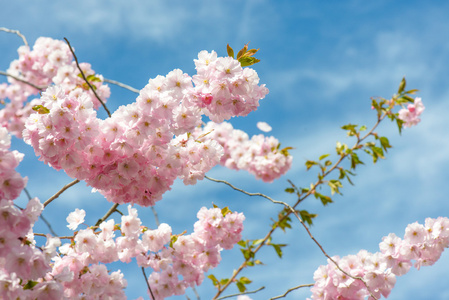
x: 75, y: 218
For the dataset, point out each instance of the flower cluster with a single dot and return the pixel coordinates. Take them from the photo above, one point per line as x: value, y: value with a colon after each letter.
x: 410, y: 115
x: 422, y: 244
x: 259, y: 155
x: 132, y: 156
x: 11, y: 183
x: 178, y: 261
x: 20, y: 260
x: 50, y: 61
x: 224, y: 89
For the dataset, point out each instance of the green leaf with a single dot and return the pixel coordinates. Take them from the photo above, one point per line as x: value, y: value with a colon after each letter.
x: 225, y: 211
x: 257, y: 242
x: 307, y: 217
x: 41, y: 109
x: 411, y: 91
x: 230, y: 51
x: 93, y: 78
x: 324, y: 199
x: 245, y: 280
x: 355, y: 160
x: 248, y: 61
x: 378, y: 151
x: 385, y: 143
x: 290, y: 190
x: 241, y: 52
x: 408, y: 98
x: 247, y: 254
x: 351, y: 128
x: 214, y: 280
x: 362, y: 128
x: 30, y: 284
x: 173, y: 240
x: 278, y: 248
x: 285, y: 151
x: 242, y: 243
x: 240, y: 286
x: 310, y: 163
x: 323, y: 156
x: 335, y: 186
x: 224, y: 281
x: 402, y: 86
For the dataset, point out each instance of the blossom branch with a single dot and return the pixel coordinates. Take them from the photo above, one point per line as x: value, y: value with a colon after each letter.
x: 292, y: 289
x: 85, y: 79
x: 244, y: 293
x: 65, y: 187
x: 40, y: 88
x: 15, y: 32
x: 291, y: 210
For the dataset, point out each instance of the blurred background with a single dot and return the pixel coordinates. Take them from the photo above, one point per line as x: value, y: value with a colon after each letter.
x: 322, y: 61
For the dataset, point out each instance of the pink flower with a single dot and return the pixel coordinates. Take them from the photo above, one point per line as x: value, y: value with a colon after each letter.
x: 410, y: 116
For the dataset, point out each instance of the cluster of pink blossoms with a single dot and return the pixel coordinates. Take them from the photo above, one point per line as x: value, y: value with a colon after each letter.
x: 422, y: 244
x: 224, y: 89
x: 410, y: 115
x: 20, y: 261
x: 133, y: 156
x: 259, y: 155
x: 49, y: 62
x: 11, y: 183
x: 78, y: 270
x: 178, y: 261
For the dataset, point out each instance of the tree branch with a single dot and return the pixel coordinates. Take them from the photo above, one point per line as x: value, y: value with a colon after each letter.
x: 17, y: 33
x: 40, y: 88
x: 60, y: 192
x: 110, y: 212
x: 85, y: 79
x: 244, y: 293
x: 292, y: 289
x: 148, y: 284
x: 125, y: 86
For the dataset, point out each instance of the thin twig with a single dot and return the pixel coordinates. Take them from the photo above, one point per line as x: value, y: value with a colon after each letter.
x: 156, y: 218
x: 292, y: 289
x: 60, y: 192
x: 27, y: 193
x: 244, y: 293
x: 292, y: 210
x: 59, y: 237
x: 148, y: 284
x: 196, y: 293
x: 15, y: 32
x: 110, y: 211
x: 42, y: 215
x: 122, y: 85
x: 85, y: 79
x: 245, y: 192
x: 40, y: 88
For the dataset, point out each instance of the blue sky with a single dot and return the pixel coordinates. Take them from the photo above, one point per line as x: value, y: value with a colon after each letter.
x: 322, y: 61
